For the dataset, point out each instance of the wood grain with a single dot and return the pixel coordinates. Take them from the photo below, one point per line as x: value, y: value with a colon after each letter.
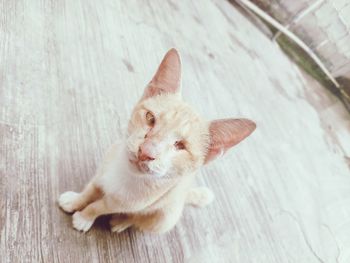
x: 70, y: 73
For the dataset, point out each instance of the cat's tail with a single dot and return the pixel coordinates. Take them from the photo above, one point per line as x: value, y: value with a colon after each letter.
x: 199, y: 196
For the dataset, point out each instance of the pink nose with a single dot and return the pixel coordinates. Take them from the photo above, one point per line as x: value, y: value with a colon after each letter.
x: 144, y: 154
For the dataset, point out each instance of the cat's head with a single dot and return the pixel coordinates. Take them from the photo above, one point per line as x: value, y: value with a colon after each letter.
x: 167, y: 137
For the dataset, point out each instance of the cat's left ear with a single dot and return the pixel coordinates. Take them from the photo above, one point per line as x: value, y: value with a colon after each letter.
x: 226, y: 133
x: 168, y: 76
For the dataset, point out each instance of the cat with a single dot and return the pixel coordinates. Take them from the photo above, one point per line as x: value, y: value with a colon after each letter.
x: 145, y: 181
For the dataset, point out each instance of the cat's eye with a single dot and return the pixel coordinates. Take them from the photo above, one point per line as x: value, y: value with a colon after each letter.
x: 179, y: 145
x: 150, y: 119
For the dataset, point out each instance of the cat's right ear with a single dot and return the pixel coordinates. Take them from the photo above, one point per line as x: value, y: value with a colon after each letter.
x: 168, y: 76
x: 225, y: 134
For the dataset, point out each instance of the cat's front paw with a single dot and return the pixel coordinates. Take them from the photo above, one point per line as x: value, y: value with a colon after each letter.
x: 67, y: 201
x: 81, y: 223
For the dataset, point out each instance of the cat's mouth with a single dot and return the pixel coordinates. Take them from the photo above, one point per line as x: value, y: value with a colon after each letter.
x: 140, y: 166
x: 143, y: 167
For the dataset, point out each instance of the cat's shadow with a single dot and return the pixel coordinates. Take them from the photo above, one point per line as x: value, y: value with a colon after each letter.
x: 102, y: 232
x: 102, y: 224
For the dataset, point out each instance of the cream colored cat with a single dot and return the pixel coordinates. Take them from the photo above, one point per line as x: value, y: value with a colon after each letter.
x: 146, y: 181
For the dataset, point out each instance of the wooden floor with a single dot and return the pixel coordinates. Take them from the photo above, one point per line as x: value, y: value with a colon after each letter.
x: 70, y: 73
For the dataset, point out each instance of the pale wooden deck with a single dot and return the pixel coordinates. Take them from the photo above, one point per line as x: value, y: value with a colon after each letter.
x: 70, y: 72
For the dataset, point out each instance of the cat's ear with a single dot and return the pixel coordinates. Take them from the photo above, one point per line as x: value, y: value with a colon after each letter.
x: 226, y: 133
x: 168, y: 76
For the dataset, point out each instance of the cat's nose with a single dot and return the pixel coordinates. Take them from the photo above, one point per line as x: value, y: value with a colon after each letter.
x: 144, y: 155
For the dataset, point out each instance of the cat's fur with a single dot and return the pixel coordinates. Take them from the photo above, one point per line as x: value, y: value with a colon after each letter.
x: 146, y: 181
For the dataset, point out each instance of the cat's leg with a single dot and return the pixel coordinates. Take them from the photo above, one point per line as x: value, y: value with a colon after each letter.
x: 162, y: 220
x: 120, y: 222
x: 159, y: 221
x: 72, y: 201
x: 199, y: 196
x: 83, y: 220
